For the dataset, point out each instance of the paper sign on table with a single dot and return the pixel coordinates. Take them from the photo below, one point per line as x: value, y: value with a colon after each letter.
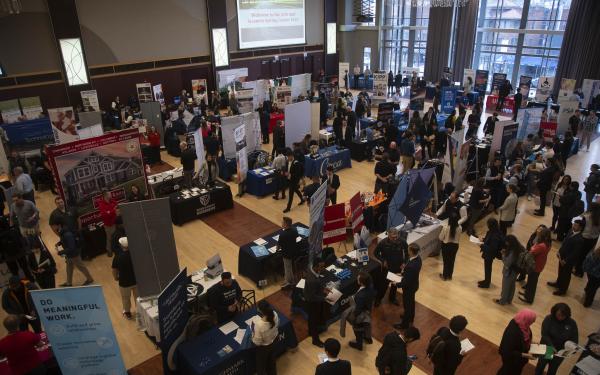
x: 301, y: 284
x: 475, y: 240
x: 228, y: 328
x: 273, y: 249
x: 466, y: 346
x: 393, y: 277
x: 333, y: 296
x: 239, y: 336
x: 276, y: 238
x: 537, y: 349
x: 260, y: 242
x: 298, y: 239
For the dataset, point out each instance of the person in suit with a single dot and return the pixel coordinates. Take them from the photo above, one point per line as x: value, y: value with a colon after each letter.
x: 278, y: 139
x: 544, y: 184
x: 508, y: 209
x: 338, y: 129
x: 490, y: 249
x: 314, y: 295
x: 392, y: 253
x: 410, y: 285
x: 333, y: 183
x: 363, y: 301
x: 451, y: 356
x: 294, y: 174
x: 333, y: 365
x: 42, y: 265
x: 350, y: 132
x: 515, y: 343
x: 392, y: 357
x: 287, y: 245
x: 567, y: 256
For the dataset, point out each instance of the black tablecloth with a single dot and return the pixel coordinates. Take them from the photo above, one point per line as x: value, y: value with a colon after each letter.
x: 166, y: 187
x: 215, y: 199
x: 254, y: 268
x: 93, y: 241
x: 347, y: 287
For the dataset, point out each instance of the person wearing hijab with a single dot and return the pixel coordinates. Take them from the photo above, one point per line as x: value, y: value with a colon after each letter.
x: 516, y: 340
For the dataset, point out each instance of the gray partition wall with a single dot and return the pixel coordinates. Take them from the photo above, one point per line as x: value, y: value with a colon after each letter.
x: 151, y: 243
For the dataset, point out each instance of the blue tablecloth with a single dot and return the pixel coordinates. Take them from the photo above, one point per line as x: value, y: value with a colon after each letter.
x: 227, y: 168
x: 199, y: 356
x: 260, y: 185
x: 366, y: 122
x: 253, y: 267
x: 361, y: 82
x: 441, y: 119
x: 429, y: 92
x: 340, y: 159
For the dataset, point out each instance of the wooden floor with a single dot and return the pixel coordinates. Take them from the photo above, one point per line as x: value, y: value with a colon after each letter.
x: 438, y: 300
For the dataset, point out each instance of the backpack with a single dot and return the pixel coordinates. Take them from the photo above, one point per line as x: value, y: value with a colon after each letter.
x: 525, y: 262
x: 521, y: 185
x: 436, y: 347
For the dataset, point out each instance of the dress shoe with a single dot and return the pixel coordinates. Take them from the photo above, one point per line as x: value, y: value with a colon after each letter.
x: 559, y: 293
x: 524, y: 300
x: 370, y: 341
x: 499, y: 302
x: 65, y: 285
x: 318, y: 343
x: 286, y: 210
x: 377, y: 303
x: 88, y: 282
x: 483, y: 285
x: 552, y: 284
x: 354, y: 344
x: 521, y: 293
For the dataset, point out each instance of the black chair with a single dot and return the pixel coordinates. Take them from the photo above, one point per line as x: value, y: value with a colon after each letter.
x: 300, y: 266
x: 248, y: 300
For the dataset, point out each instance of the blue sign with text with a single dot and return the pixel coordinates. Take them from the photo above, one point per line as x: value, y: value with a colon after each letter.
x: 448, y: 99
x: 79, y: 329
x: 172, y: 318
x: 29, y: 133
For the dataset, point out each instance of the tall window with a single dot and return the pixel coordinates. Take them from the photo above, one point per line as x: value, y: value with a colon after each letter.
x: 520, y: 37
x: 367, y: 59
x: 404, y: 32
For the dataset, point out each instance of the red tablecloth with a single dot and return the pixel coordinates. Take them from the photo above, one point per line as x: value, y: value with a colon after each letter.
x: 273, y: 121
x: 45, y: 355
x: 492, y: 100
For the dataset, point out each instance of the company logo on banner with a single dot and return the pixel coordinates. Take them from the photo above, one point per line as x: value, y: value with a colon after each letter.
x: 343, y: 71
x: 567, y: 109
x: 84, y: 168
x: 158, y: 93
x: 317, y: 206
x: 481, y: 81
x: 379, y: 85
x: 549, y: 130
x: 90, y: 100
x: 334, y: 229
x: 356, y: 209
x: 32, y: 133
x: 448, y: 99
x: 64, y: 125
x: 241, y: 157
x: 544, y: 88
x: 79, y: 329
x: 172, y: 318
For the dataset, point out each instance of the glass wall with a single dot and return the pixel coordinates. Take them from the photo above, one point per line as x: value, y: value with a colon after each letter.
x: 520, y: 37
x: 404, y: 35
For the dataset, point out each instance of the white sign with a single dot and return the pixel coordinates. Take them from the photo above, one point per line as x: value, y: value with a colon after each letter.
x: 283, y: 95
x: 158, y: 93
x: 567, y: 86
x: 469, y: 80
x: 590, y: 89
x: 245, y: 100
x: 379, y: 85
x: 144, y: 91
x: 241, y: 156
x: 343, y: 71
x: 90, y: 99
x: 544, y: 88
x: 567, y: 109
x: 64, y: 125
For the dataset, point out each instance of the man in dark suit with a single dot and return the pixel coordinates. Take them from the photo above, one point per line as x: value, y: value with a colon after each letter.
x: 333, y: 183
x: 544, y: 185
x: 350, y: 132
x: 446, y: 361
x: 392, y: 357
x: 392, y: 252
x: 410, y: 285
x: 314, y: 295
x: 567, y: 257
x: 288, y: 246
x: 333, y: 365
x: 363, y: 301
x: 294, y: 174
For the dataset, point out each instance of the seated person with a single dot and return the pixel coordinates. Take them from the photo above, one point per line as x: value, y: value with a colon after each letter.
x: 209, y: 171
x: 224, y: 297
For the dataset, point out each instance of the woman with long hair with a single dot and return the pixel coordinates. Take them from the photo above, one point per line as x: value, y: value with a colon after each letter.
x: 264, y: 333
x: 539, y: 250
x: 515, y: 344
x: 590, y: 234
x: 449, y: 236
x: 510, y: 253
x: 562, y: 185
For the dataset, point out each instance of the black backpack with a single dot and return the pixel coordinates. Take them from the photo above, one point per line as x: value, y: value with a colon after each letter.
x: 436, y: 347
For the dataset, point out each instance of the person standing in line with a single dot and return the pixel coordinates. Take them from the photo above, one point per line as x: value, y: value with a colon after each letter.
x: 515, y: 343
x: 571, y: 206
x: 279, y: 164
x: 27, y: 216
x: 592, y: 184
x: 561, y: 187
x: 590, y: 235
x: 518, y: 98
x: 24, y: 184
x: 294, y: 174
x: 539, y: 249
x: 392, y: 358
x: 338, y: 129
x: 390, y: 79
x: 567, y: 255
x: 20, y: 349
x: 392, y: 253
x: 333, y: 365
x: 510, y: 253
x: 557, y: 328
x: 450, y: 237
x: 490, y: 249
x: 477, y: 202
x: 42, y: 265
x: 363, y: 301
x: 72, y: 253
x: 188, y: 163
x: 410, y: 285
x: 314, y: 295
x: 107, y: 207
x: 574, y: 122
x: 591, y: 266
x: 544, y: 184
x: 264, y: 333
x: 588, y: 128
x: 333, y: 184
x: 16, y: 300
x: 533, y: 171
x: 123, y: 273
x: 448, y: 357
x: 508, y: 209
x: 287, y: 245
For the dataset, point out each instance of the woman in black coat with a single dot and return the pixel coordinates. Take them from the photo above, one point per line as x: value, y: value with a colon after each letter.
x: 490, y: 249
x: 516, y: 340
x: 42, y: 265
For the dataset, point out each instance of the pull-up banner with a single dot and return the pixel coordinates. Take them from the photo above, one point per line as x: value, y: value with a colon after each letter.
x: 334, y: 229
x: 356, y: 209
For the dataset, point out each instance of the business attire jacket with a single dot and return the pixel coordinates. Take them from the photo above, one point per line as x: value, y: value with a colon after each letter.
x: 392, y: 356
x: 334, y: 184
x: 512, y: 346
x: 410, y: 285
x: 451, y: 356
x: 339, y: 367
x: 46, y: 278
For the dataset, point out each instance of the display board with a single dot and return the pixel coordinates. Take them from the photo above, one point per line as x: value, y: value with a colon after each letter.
x: 343, y: 71
x: 525, y: 86
x: 29, y: 134
x: 567, y: 86
x: 10, y: 111
x: 544, y: 88
x: 529, y: 121
x: 497, y: 82
x: 64, y: 125
x: 590, y: 89
x: 268, y: 23
x: 83, y: 168
x: 230, y: 76
x: 297, y: 122
x: 469, y: 80
x: 283, y: 95
x: 157, y: 90
x: 89, y: 99
x: 379, y: 85
x: 567, y: 109
x: 481, y: 81
x: 317, y: 221
x: 245, y: 99
x: 300, y: 85
x: 173, y: 316
x: 32, y: 107
x: 241, y: 153
x: 253, y: 134
x: 144, y: 91
x: 504, y: 132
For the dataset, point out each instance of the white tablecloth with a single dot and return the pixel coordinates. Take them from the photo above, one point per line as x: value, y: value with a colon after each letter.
x: 424, y: 236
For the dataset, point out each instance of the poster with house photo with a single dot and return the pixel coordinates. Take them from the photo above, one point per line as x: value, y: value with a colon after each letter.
x: 84, y: 168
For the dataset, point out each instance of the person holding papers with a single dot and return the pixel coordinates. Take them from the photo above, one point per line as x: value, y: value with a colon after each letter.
x: 450, y: 237
x: 289, y: 248
x: 314, y: 295
x: 516, y: 340
x: 42, y: 265
x: 392, y: 252
x: 410, y: 285
x: 557, y: 328
x: 333, y: 184
x: 447, y: 357
x: 363, y: 300
x: 264, y: 333
x: 224, y: 297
